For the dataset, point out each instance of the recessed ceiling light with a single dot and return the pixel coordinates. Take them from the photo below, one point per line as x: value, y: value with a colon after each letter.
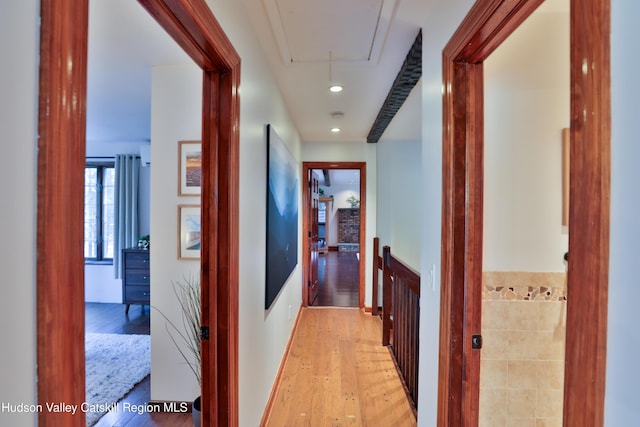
x: 335, y: 88
x: 335, y: 130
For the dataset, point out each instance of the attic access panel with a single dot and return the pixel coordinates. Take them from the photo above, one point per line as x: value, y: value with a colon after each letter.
x: 306, y: 31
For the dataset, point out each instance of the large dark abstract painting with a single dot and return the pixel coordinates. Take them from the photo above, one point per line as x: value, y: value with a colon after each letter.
x: 282, y: 215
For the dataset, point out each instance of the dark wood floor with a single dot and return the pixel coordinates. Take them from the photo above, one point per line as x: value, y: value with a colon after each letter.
x: 338, y: 282
x: 111, y: 319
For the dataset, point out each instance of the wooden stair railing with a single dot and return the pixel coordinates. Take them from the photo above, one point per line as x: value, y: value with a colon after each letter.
x: 377, y: 266
x: 401, y: 318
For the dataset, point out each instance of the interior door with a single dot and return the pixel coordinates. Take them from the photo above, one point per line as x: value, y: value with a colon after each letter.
x: 313, y: 238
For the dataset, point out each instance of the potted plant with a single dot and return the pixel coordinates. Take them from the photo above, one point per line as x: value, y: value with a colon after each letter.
x: 355, y: 202
x: 186, y: 337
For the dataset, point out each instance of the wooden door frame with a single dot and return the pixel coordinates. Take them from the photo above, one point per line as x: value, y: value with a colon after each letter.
x: 306, y: 167
x: 61, y: 162
x: 488, y: 24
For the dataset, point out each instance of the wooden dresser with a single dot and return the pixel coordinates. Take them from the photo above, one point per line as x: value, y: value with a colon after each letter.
x: 135, y: 277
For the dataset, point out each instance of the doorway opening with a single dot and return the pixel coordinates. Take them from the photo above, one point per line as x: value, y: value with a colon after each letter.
x: 61, y: 161
x: 524, y: 298
x: 321, y: 247
x: 338, y: 238
x: 486, y: 26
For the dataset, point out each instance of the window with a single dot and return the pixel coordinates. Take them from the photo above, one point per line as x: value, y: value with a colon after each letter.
x: 99, y: 179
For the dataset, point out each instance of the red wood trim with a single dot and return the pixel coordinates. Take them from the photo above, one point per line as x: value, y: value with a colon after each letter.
x: 61, y: 161
x: 266, y: 416
x: 488, y: 23
x: 60, y: 201
x: 362, y: 167
x: 406, y: 273
x: 401, y: 295
x: 374, y: 276
x: 193, y: 26
x: 590, y: 166
x: 386, y: 299
x: 363, y: 232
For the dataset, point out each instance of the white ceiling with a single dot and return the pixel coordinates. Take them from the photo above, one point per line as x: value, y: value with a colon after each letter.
x: 340, y: 177
x: 360, y: 44
x: 124, y: 43
x: 367, y: 41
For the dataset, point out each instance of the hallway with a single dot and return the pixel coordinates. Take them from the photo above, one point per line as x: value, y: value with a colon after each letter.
x: 337, y: 373
x: 337, y: 279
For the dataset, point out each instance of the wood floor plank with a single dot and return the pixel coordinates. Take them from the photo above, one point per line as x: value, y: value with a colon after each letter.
x: 337, y: 373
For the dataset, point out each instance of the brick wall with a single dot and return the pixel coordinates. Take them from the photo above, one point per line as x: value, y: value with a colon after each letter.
x: 348, y: 225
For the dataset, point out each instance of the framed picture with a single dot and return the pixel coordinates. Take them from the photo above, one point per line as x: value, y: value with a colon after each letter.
x: 188, y: 231
x: 189, y: 168
x: 282, y: 215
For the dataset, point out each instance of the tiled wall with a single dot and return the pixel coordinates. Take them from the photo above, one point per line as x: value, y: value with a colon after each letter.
x: 522, y: 362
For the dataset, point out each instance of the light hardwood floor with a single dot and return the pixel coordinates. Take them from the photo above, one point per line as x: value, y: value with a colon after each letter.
x: 337, y: 373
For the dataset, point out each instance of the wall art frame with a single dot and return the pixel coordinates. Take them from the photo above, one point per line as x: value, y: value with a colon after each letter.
x: 282, y: 215
x: 189, y: 232
x: 189, y: 168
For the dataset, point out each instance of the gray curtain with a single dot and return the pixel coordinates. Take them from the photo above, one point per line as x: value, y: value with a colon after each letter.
x: 127, y: 171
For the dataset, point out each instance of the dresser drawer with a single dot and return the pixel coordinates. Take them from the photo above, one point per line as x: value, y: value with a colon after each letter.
x: 137, y: 294
x: 137, y: 277
x: 136, y: 260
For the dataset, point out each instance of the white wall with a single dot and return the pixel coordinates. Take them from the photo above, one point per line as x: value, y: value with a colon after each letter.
x: 399, y: 201
x: 527, y: 99
x: 623, y: 346
x: 19, y: 39
x: 176, y: 114
x: 264, y: 333
x: 332, y: 151
x: 439, y: 20
x: 100, y: 284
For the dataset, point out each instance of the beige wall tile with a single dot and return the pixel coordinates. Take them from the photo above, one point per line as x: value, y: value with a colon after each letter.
x: 552, y: 315
x: 522, y: 374
x: 521, y: 422
x: 494, y: 344
x: 551, y: 345
x: 550, y: 374
x: 549, y: 422
x: 523, y: 315
x: 549, y: 403
x: 522, y: 361
x: 521, y: 403
x: 522, y: 345
x: 493, y: 407
x: 495, y: 315
x: 493, y: 373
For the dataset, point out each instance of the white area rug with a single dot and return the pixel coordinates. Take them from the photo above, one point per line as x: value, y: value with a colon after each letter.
x: 115, y: 364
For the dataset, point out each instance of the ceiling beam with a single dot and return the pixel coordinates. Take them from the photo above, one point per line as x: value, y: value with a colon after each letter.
x: 327, y: 178
x: 407, y: 77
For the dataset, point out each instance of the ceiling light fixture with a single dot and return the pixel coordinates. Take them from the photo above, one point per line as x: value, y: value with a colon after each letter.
x: 333, y: 87
x: 335, y: 130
